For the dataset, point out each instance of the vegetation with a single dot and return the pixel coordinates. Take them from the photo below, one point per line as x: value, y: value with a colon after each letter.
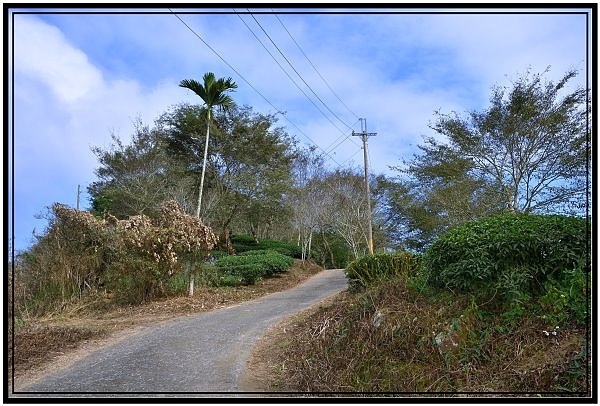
x: 246, y: 243
x: 392, y: 338
x: 480, y: 282
x: 527, y: 152
x: 370, y: 269
x: 510, y: 258
x: 248, y: 268
x: 131, y: 260
x: 406, y: 333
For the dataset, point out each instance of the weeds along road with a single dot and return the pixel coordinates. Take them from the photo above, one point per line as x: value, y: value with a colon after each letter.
x: 200, y: 354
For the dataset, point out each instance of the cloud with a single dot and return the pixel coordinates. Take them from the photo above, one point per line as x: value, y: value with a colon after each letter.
x: 64, y: 105
x: 43, y: 53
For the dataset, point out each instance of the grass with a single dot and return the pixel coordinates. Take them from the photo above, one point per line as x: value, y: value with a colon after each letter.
x: 392, y: 339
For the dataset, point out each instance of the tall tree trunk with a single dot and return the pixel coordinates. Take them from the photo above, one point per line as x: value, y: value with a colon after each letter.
x: 203, y: 165
x: 189, y: 270
x: 309, y: 245
x: 226, y: 240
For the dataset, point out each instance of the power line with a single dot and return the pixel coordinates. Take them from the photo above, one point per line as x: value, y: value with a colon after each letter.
x: 286, y: 73
x: 251, y: 86
x: 336, y: 143
x: 297, y: 73
x: 346, y: 136
x: 314, y: 67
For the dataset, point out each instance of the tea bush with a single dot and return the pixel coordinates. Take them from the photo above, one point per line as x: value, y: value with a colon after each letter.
x: 243, y: 243
x: 249, y: 267
x: 566, y: 298
x: 508, y: 257
x: 372, y: 268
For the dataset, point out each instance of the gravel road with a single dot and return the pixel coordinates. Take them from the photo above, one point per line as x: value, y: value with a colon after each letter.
x: 201, y: 354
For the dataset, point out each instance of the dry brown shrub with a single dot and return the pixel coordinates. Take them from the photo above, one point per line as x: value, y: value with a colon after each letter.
x: 81, y: 253
x: 391, y: 339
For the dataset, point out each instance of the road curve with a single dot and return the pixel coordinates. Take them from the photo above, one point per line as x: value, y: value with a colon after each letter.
x: 200, y: 354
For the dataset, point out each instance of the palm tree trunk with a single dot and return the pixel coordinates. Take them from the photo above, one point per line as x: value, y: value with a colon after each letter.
x: 203, y: 165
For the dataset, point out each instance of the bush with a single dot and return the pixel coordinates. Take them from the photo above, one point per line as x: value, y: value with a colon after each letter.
x: 509, y: 257
x: 373, y: 268
x: 566, y: 298
x: 133, y: 259
x: 250, y: 266
x: 243, y: 243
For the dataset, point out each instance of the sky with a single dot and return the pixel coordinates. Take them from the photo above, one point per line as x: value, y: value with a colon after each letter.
x: 77, y: 76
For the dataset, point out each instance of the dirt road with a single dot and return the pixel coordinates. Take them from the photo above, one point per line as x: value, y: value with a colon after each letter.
x: 197, y: 355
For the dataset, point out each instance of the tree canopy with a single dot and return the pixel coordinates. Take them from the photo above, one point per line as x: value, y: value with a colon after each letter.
x: 528, y: 152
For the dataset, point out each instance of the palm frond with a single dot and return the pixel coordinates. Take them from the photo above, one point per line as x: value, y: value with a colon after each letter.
x: 212, y: 91
x: 195, y: 87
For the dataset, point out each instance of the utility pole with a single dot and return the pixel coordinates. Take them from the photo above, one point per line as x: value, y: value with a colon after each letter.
x: 364, y: 135
x: 78, y: 193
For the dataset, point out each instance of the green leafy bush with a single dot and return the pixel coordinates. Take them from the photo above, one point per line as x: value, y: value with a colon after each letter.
x: 508, y: 257
x: 248, y: 267
x: 243, y: 243
x: 372, y: 268
x: 566, y: 298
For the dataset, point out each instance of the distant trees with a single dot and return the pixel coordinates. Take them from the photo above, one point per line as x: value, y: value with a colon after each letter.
x: 527, y: 152
x: 136, y: 178
x: 329, y: 203
x: 258, y: 181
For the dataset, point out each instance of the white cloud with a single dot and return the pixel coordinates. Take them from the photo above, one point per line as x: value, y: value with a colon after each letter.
x: 63, y: 107
x: 42, y: 52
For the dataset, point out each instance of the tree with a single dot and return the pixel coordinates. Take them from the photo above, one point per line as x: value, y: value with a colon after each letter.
x: 136, y: 178
x: 306, y: 199
x: 348, y: 209
x: 527, y: 152
x: 213, y: 94
x: 531, y: 143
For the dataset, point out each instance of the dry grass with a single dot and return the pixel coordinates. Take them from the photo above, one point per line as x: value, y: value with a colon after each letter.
x: 39, y: 341
x: 393, y: 340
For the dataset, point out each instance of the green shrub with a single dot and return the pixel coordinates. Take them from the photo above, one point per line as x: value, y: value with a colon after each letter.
x: 231, y: 280
x: 566, y: 298
x: 177, y: 284
x: 251, y: 266
x: 330, y: 250
x: 372, y: 268
x: 243, y: 243
x: 508, y: 257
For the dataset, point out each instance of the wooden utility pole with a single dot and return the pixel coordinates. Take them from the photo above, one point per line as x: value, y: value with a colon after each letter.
x: 78, y: 193
x: 364, y: 135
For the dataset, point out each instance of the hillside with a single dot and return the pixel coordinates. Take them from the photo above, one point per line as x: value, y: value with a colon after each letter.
x: 391, y: 338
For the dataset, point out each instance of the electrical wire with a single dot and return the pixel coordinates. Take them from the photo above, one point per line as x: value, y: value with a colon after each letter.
x: 336, y: 143
x: 297, y: 73
x: 251, y: 86
x: 314, y: 67
x: 286, y: 73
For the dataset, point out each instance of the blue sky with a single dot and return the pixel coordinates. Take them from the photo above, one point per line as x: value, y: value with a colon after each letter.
x: 78, y: 78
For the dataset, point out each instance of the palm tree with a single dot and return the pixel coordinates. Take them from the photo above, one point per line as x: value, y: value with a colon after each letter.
x: 213, y: 94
